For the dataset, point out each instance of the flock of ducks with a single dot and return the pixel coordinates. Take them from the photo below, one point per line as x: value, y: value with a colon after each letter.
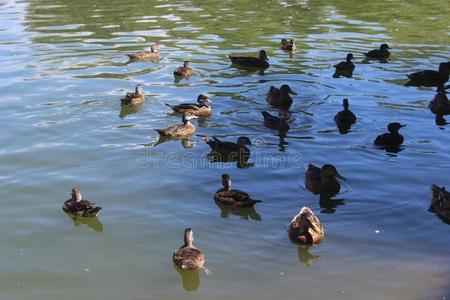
x: 305, y: 227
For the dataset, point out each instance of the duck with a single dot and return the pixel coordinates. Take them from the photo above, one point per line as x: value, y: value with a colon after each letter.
x: 440, y: 203
x: 288, y: 45
x: 280, y: 97
x: 430, y: 78
x: 381, y: 53
x: 184, y: 71
x: 231, y: 197
x: 323, y: 180
x: 133, y: 99
x: 345, y: 118
x: 80, y: 207
x: 201, y: 108
x: 189, y: 257
x: 260, y: 62
x: 345, y: 66
x: 440, y: 105
x: 278, y: 123
x: 180, y: 130
x: 305, y: 228
x: 229, y: 148
x: 391, y: 138
x: 150, y: 53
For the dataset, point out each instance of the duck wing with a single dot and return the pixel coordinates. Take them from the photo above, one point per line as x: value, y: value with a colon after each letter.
x: 184, y: 107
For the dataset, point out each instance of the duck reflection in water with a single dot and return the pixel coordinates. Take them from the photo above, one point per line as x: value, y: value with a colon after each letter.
x: 280, y: 123
x: 91, y: 222
x: 244, y: 213
x: 186, y: 143
x: 128, y: 110
x: 329, y: 205
x: 190, y: 278
x: 222, y: 151
x: 305, y: 257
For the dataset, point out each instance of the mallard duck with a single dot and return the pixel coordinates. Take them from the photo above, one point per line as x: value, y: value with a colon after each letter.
x: 189, y: 257
x: 391, y: 138
x: 201, y: 108
x: 229, y: 148
x: 185, y: 70
x: 440, y: 105
x: 323, y: 180
x: 440, y: 203
x: 80, y: 207
x: 345, y: 118
x: 430, y: 77
x: 135, y: 98
x: 305, y: 228
x: 235, y: 198
x: 150, y: 53
x: 345, y: 66
x: 180, y: 130
x: 260, y: 62
x: 277, y: 123
x: 280, y: 97
x: 381, y: 53
x: 288, y: 45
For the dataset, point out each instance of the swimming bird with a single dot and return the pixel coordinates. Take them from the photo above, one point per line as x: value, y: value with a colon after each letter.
x: 381, y: 53
x: 392, y: 138
x: 430, y: 77
x: 232, y: 197
x: 150, y: 53
x: 280, y: 97
x: 440, y: 105
x: 440, y: 203
x: 201, y: 108
x: 80, y: 207
x: 277, y: 123
x: 345, y: 66
x: 229, y: 147
x: 288, y: 45
x: 135, y: 98
x: 184, y: 71
x: 305, y: 228
x: 345, y: 118
x: 323, y: 180
x: 260, y: 62
x: 189, y: 257
x: 180, y: 130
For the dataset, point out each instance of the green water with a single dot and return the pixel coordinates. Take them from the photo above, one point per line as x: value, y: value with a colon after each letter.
x: 64, y: 69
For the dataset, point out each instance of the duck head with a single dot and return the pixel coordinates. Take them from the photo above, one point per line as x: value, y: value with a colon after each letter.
x: 349, y: 57
x: 444, y: 68
x: 76, y: 194
x: 139, y: 90
x: 188, y: 237
x: 330, y: 171
x: 384, y: 47
x: 284, y: 41
x: 306, y: 219
x: 203, y: 99
x: 187, y: 116
x: 287, y: 90
x: 263, y: 55
x: 395, y: 127
x: 345, y: 103
x: 186, y: 64
x: 243, y: 140
x: 154, y: 48
x: 226, y: 182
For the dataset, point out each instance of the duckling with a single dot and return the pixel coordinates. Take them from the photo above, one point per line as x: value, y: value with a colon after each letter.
x: 305, y: 228
x: 185, y: 70
x: 430, y: 77
x: 381, y: 53
x: 228, y: 147
x: 235, y: 198
x: 391, y: 139
x: 80, y: 207
x: 201, y: 108
x: 288, y: 45
x: 260, y: 62
x: 345, y: 66
x: 440, y: 105
x: 189, y: 257
x: 150, y: 53
x: 280, y: 97
x: 440, y: 203
x: 277, y: 123
x: 135, y: 98
x: 323, y: 180
x: 345, y: 118
x: 180, y: 130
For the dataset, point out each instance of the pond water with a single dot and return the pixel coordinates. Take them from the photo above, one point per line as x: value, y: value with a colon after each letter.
x: 64, y: 69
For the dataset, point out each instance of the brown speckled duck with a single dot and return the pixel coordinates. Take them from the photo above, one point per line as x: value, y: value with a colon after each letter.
x: 440, y: 105
x: 323, y: 180
x: 180, y: 130
x: 288, y: 45
x: 248, y: 61
x: 201, y: 108
x: 430, y: 77
x: 440, y: 203
x: 136, y: 98
x: 150, y: 53
x: 231, y: 197
x: 189, y: 257
x: 280, y: 97
x: 305, y: 228
x: 184, y: 71
x: 80, y: 207
x: 382, y: 53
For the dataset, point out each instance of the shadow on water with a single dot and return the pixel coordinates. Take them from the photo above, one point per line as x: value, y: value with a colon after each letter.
x: 305, y: 257
x: 190, y: 279
x: 128, y: 110
x: 244, y: 213
x: 92, y: 222
x: 329, y: 205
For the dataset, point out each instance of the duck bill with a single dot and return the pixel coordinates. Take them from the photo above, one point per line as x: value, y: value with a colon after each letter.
x: 401, y: 126
x: 340, y: 176
x: 292, y: 92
